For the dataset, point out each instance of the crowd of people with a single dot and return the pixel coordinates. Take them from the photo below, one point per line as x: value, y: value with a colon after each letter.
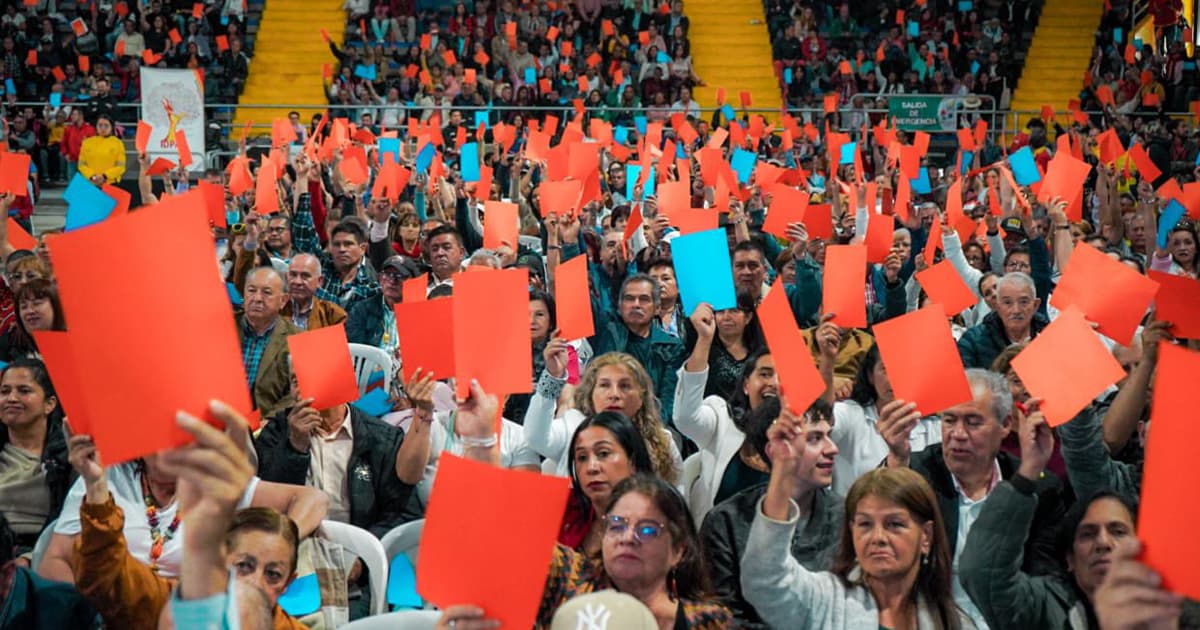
x: 701, y: 491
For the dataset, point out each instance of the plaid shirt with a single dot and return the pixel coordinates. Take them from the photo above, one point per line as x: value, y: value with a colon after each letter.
x: 304, y: 238
x: 253, y: 345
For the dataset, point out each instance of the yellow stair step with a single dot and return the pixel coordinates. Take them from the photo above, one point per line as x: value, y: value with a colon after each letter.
x: 1059, y: 54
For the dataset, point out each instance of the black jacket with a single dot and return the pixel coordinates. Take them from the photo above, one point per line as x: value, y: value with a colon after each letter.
x: 1039, y: 557
x: 727, y: 527
x: 59, y: 474
x: 981, y: 344
x: 364, y: 321
x: 377, y: 496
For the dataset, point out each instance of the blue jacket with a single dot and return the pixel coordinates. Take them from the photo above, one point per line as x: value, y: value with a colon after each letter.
x: 34, y: 603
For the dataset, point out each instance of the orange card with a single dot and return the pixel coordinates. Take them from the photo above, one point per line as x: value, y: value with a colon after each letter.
x: 572, y: 300
x: 491, y: 331
x: 552, y: 33
x: 483, y: 188
x: 214, y: 202
x: 1146, y: 167
x: 500, y: 225
x: 266, y: 193
x: 922, y: 360
x: 1106, y: 291
x: 831, y: 103
x: 946, y: 287
x: 140, y: 332
x: 788, y: 205
x: 162, y: 165
x: 84, y: 64
x: 198, y: 10
x: 58, y: 353
x: 799, y: 381
x: 122, y: 198
x: 461, y: 546
x: 323, y: 367
x: 31, y: 59
x: 844, y: 67
x: 223, y: 43
x: 175, y: 37
x: 1150, y: 99
x: 414, y: 289
x: 14, y: 173
x: 879, y: 237
x: 149, y: 57
x: 606, y: 27
x: 745, y: 98
x: 1066, y: 366
x: 58, y: 74
x: 692, y: 220
x: 844, y: 285
x: 673, y: 197
x: 185, y: 152
x: 1065, y: 176
x: 560, y: 198
x: 1177, y: 301
x: 282, y: 132
x: 143, y: 136
x: 1170, y: 453
x: 18, y: 237
x: 118, y: 49
x: 425, y: 329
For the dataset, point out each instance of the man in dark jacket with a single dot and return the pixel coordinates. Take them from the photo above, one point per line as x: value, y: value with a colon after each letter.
x: 968, y: 465
x: 368, y: 322
x: 1016, y: 320
x: 365, y: 465
x: 727, y: 526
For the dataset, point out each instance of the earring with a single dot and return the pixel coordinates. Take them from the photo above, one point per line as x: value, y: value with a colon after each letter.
x: 672, y: 586
x: 925, y: 559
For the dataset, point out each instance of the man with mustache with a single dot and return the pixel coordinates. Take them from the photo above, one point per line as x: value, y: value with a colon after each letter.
x: 1016, y: 320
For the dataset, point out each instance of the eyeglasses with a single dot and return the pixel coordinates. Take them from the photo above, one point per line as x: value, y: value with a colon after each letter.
x: 643, y: 531
x: 278, y: 229
x: 391, y: 276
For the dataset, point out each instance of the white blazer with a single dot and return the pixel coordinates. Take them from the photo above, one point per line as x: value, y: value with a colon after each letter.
x: 708, y: 423
x: 860, y: 446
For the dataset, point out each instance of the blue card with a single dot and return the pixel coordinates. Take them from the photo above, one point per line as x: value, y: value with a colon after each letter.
x: 374, y: 403
x: 86, y: 204
x: 640, y: 123
x: 848, y: 151
x: 965, y: 6
x: 302, y: 597
x: 1170, y: 216
x: 468, y: 162
x: 365, y: 72
x: 921, y: 185
x: 10, y: 87
x: 663, y: 57
x: 1118, y: 35
x: 743, y: 164
x: 425, y: 158
x: 647, y: 188
x: 632, y: 173
x: 235, y: 297
x: 390, y: 146
x: 914, y: 29
x: 620, y: 135
x: 967, y: 157
x: 974, y: 67
x: 232, y: 216
x: 703, y: 270
x: 55, y: 99
x: 1024, y: 168
x: 728, y: 113
x: 530, y: 76
x: 787, y: 76
x: 481, y: 118
x: 402, y: 584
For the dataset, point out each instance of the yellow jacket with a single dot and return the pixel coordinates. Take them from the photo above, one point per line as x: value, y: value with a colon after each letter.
x: 102, y: 156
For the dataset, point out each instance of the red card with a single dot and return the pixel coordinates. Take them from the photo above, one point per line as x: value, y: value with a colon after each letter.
x: 18, y: 237
x: 1106, y: 291
x: 560, y: 198
x: 223, y: 43
x: 818, y: 219
x: 198, y: 10
x: 1177, y: 301
x: 461, y: 546
x: 879, y: 237
x: 323, y: 367
x: 1064, y: 178
x: 160, y: 166
x: 175, y: 37
x: 1145, y: 166
x: 58, y: 353
x: 844, y: 285
x: 500, y: 225
x: 185, y: 152
x: 84, y: 64
x: 118, y: 48
x: 788, y: 205
x: 945, y: 287
x: 425, y: 329
x: 799, y: 381
x: 150, y: 58
x: 415, y: 289
x: 14, y: 173
x: 140, y: 332
x: 491, y: 332
x: 143, y: 136
x: 745, y: 98
x: 572, y: 300
x: 214, y: 202
x: 266, y: 193
x: 922, y: 360
x: 282, y: 132
x: 31, y: 58
x: 1170, y: 454
x: 122, y: 198
x: 58, y: 74
x: 1066, y: 366
x: 831, y: 103
x: 692, y: 220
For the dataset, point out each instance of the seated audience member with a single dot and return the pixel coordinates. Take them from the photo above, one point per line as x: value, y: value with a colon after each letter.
x: 146, y: 491
x: 965, y: 468
x: 611, y: 382
x: 34, y: 472
x: 365, y: 466
x: 303, y: 273
x: 856, y: 429
x: 893, y: 566
x: 30, y: 602
x: 727, y: 525
x: 263, y: 333
x: 373, y: 321
x: 733, y: 336
x: 38, y: 308
x: 445, y: 253
x: 1016, y: 320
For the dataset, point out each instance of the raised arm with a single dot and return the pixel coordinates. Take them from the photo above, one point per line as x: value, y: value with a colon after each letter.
x: 543, y: 432
x: 694, y: 419
x: 1127, y: 408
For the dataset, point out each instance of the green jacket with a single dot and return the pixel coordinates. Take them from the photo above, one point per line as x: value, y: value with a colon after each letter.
x: 35, y: 603
x: 273, y: 385
x: 990, y: 569
x: 1089, y: 465
x: 661, y: 354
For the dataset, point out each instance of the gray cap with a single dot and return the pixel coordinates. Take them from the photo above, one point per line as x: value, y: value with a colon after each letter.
x: 604, y: 610
x: 407, y: 267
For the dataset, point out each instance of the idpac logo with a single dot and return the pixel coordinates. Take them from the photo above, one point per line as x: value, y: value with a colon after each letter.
x: 173, y: 121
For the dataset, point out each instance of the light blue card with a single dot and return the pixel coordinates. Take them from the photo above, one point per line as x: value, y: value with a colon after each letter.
x: 921, y: 185
x: 86, y: 203
x: 703, y: 270
x: 848, y: 151
x: 1170, y: 217
x: 743, y: 164
x: 1024, y: 168
x: 468, y: 162
x: 374, y: 403
x: 302, y: 597
x: 390, y: 146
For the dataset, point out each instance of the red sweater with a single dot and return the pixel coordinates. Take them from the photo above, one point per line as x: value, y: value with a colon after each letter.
x: 73, y: 137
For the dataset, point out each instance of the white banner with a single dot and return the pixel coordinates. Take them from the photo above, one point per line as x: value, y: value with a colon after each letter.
x: 173, y: 100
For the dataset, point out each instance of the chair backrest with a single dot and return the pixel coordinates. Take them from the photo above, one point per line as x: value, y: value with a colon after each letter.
x: 43, y: 541
x: 404, y: 539
x: 369, y: 549
x: 402, y: 620
x: 367, y: 361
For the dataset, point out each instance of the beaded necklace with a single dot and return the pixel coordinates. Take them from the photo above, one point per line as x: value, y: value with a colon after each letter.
x: 159, y: 539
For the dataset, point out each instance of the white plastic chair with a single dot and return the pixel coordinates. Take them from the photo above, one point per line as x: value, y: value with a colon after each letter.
x: 404, y: 539
x: 367, y: 547
x: 402, y: 620
x: 43, y: 541
x: 367, y: 361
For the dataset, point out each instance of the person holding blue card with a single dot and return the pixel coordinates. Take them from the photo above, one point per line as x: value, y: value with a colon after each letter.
x: 1176, y: 252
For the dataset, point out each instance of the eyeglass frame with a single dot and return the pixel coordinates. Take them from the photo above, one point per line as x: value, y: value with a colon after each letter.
x: 612, y: 520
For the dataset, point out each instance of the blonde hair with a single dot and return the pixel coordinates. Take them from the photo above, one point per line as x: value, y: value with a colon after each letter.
x: 646, y: 418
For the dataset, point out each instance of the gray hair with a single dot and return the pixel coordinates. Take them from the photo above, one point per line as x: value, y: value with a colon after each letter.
x: 1019, y: 278
x: 655, y: 288
x: 484, y: 257
x: 901, y: 232
x: 992, y: 382
x: 271, y: 270
x: 304, y: 258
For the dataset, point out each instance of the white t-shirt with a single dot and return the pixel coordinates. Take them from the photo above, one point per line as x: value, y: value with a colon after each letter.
x: 125, y: 484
